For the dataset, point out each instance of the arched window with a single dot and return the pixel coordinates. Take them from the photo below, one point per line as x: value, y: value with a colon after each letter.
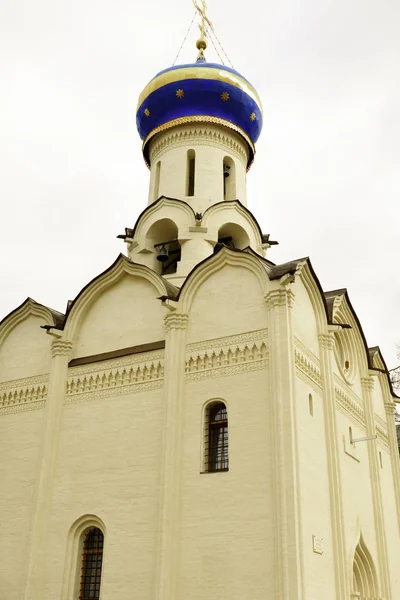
x: 216, y: 433
x: 191, y: 167
x: 92, y: 560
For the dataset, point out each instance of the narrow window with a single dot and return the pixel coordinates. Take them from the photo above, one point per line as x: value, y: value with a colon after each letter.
x: 92, y: 558
x: 310, y: 405
x: 157, y: 181
x: 351, y: 435
x: 191, y: 165
x: 216, y: 437
x: 380, y: 460
x: 229, y: 177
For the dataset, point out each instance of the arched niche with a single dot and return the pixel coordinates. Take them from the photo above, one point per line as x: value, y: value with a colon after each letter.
x: 233, y: 236
x: 365, y: 583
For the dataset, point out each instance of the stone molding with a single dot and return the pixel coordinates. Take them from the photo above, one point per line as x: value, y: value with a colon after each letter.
x: 327, y: 340
x: 367, y: 384
x: 381, y: 422
x: 198, y: 136
x: 280, y: 297
x: 61, y: 348
x: 382, y: 436
x: 175, y: 321
x: 390, y: 408
x: 227, y: 356
x: 25, y: 394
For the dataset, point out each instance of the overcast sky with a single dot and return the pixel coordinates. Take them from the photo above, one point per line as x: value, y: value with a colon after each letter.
x: 326, y: 179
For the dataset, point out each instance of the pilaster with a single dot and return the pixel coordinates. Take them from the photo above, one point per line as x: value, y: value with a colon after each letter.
x: 367, y: 385
x: 288, y: 540
x: 171, y: 453
x: 34, y: 586
x: 390, y: 408
x: 326, y: 343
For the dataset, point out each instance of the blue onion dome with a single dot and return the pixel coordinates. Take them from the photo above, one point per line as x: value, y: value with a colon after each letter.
x: 199, y: 92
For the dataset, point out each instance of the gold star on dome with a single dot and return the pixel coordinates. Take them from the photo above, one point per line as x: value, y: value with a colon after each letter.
x: 147, y: 112
x: 253, y: 116
x: 224, y: 96
x: 180, y: 93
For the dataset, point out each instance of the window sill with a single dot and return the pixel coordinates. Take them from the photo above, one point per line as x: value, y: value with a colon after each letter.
x: 214, y: 472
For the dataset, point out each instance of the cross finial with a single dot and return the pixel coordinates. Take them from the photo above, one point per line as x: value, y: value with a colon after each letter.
x: 201, y: 43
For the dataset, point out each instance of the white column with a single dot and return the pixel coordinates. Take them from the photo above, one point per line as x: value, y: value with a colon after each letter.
x: 390, y: 408
x: 34, y: 587
x: 171, y: 458
x: 288, y: 540
x: 326, y: 342
x: 367, y: 387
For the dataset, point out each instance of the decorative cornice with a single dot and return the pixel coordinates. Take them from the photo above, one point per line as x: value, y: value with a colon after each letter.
x: 327, y: 340
x: 349, y: 406
x: 367, y: 384
x: 200, y: 119
x: 199, y: 136
x: 61, y: 347
x: 280, y: 297
x: 239, y: 339
x: 303, y: 348
x: 175, y: 320
x: 24, y: 394
x: 227, y: 356
x: 308, y: 371
x: 115, y: 381
x: 128, y: 361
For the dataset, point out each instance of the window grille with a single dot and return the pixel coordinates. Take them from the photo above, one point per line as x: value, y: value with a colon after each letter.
x: 92, y: 559
x: 216, y: 438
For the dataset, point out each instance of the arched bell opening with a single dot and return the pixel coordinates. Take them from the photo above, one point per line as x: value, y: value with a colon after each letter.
x: 163, y: 237
x: 233, y: 236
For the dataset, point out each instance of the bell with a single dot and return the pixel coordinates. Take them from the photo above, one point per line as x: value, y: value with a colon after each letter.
x: 162, y: 255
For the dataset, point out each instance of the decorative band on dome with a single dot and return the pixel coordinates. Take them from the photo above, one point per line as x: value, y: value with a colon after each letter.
x: 206, y: 71
x: 197, y: 119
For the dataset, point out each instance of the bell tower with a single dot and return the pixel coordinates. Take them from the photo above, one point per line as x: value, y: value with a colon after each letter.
x: 199, y: 123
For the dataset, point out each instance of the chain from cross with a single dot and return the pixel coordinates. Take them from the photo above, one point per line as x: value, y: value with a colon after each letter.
x: 204, y: 19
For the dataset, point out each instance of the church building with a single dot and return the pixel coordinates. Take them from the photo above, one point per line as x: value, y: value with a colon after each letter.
x: 201, y: 423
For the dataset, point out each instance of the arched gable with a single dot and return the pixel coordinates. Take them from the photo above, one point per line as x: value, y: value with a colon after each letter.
x: 311, y: 283
x: 228, y: 279
x: 351, y: 351
x: 24, y: 346
x: 232, y: 211
x: 310, y: 316
x: 211, y: 265
x: 118, y: 309
x: 178, y: 211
